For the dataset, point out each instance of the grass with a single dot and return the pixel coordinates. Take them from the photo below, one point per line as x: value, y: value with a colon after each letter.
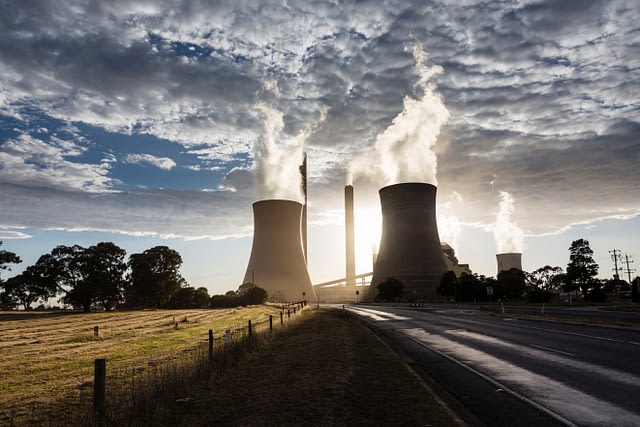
x: 578, y: 318
x: 323, y: 369
x: 326, y: 371
x: 46, y: 356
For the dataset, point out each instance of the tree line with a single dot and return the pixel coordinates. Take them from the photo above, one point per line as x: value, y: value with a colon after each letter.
x: 537, y: 286
x: 98, y: 277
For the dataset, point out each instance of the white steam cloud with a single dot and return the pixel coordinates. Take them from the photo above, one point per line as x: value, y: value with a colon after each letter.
x: 449, y: 227
x: 508, y: 236
x: 278, y: 157
x: 404, y: 151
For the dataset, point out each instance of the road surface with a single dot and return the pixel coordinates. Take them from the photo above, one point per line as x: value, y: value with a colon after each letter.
x: 503, y: 371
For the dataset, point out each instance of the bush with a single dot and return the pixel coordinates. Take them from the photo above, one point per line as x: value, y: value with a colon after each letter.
x: 597, y: 295
x: 539, y: 296
x: 390, y: 289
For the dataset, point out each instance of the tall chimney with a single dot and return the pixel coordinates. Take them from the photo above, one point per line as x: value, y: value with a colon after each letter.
x: 277, y: 261
x: 410, y: 248
x: 350, y: 252
x: 303, y: 226
x: 509, y: 260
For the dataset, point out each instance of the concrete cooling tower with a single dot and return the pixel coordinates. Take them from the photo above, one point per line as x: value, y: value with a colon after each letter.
x: 277, y: 261
x: 410, y: 248
x: 507, y: 261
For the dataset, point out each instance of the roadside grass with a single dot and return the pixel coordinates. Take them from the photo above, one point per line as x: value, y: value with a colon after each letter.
x: 328, y: 370
x: 46, y: 357
x: 576, y: 318
x: 323, y: 369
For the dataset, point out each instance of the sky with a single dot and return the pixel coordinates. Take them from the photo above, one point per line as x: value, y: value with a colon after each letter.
x: 160, y: 123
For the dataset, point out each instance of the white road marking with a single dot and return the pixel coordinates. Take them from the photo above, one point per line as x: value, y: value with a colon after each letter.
x: 541, y: 347
x: 595, y: 337
x: 550, y: 396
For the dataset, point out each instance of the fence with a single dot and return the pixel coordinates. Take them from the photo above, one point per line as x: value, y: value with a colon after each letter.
x: 123, y: 394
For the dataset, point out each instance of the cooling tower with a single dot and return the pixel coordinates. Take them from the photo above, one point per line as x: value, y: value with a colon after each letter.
x: 350, y: 258
x: 507, y: 261
x: 410, y: 246
x: 277, y: 261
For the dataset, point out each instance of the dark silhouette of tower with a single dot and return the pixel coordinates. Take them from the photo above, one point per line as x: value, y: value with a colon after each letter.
x: 410, y: 248
x: 277, y: 261
x: 350, y: 254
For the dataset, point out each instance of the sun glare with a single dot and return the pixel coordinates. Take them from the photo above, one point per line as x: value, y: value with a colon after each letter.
x: 367, y: 230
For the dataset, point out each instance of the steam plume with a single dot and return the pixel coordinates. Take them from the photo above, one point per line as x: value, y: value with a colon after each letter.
x: 508, y: 236
x: 404, y: 151
x: 449, y: 227
x: 278, y: 156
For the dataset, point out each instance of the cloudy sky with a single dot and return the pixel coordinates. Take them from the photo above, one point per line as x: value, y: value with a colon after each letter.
x: 159, y: 123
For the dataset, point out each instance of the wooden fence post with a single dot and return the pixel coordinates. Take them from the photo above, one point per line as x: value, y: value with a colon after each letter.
x: 281, y: 319
x: 270, y: 322
x: 249, y: 327
x: 288, y: 314
x: 210, y: 345
x: 99, y: 385
x: 294, y: 310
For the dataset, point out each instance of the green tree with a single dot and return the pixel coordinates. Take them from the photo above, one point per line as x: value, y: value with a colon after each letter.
x: 448, y: 285
x: 596, y: 292
x: 90, y: 276
x: 183, y: 298
x: 154, y: 277
x: 635, y: 295
x: 470, y: 287
x: 7, y: 301
x: 582, y: 269
x: 201, y: 297
x: 31, y: 286
x: 512, y: 282
x: 7, y: 257
x: 253, y: 295
x: 390, y: 289
x: 106, y: 274
x: 546, y: 278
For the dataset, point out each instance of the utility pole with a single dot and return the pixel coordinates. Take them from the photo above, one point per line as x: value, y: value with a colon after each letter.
x: 629, y: 270
x: 615, y: 256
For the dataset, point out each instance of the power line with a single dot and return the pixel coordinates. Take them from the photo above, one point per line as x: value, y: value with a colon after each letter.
x: 629, y: 270
x: 615, y: 256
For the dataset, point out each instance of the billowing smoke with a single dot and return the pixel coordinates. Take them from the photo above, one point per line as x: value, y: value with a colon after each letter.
x: 404, y: 150
x: 449, y: 227
x: 278, y: 157
x: 508, y: 236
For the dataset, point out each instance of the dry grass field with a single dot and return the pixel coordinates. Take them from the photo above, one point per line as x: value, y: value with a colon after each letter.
x: 45, y: 356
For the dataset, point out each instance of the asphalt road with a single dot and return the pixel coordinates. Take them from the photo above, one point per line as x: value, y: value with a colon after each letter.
x: 512, y: 372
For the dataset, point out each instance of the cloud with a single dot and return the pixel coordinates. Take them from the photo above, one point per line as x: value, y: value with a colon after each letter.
x: 548, y: 115
x: 28, y: 161
x: 163, y: 163
x: 13, y: 234
x: 403, y: 151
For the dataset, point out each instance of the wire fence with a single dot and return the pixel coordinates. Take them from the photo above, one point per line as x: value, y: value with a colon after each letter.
x: 123, y: 393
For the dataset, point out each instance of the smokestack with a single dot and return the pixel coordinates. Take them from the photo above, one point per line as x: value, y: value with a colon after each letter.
x: 277, y: 261
x: 510, y: 260
x: 350, y: 252
x: 303, y: 227
x: 410, y: 245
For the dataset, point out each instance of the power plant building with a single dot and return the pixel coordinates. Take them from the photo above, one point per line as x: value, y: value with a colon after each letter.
x: 507, y: 261
x: 410, y: 248
x: 277, y: 262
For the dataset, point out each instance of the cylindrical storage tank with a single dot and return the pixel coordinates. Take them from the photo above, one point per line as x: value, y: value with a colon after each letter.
x: 410, y: 248
x: 507, y: 261
x: 277, y: 261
